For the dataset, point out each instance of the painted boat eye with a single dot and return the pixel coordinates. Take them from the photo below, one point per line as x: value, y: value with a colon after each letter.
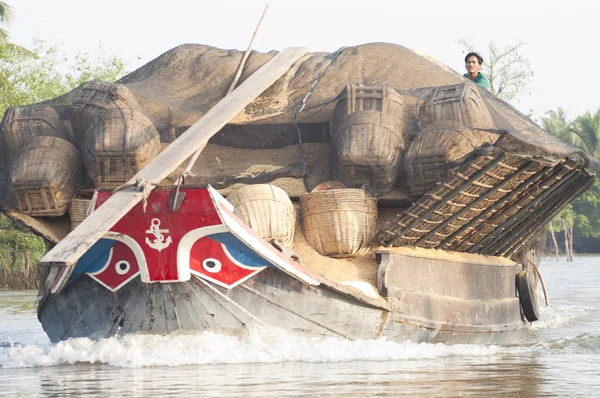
x: 122, y: 267
x: 212, y: 265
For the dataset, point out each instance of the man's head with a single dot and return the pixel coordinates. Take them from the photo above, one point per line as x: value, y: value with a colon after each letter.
x: 473, y: 62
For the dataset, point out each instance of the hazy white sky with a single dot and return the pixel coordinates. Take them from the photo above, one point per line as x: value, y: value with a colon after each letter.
x: 561, y: 36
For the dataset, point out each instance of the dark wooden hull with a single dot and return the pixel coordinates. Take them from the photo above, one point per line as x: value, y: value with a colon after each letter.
x: 271, y: 298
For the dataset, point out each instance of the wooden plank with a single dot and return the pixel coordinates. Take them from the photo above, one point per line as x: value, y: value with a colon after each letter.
x: 74, y: 245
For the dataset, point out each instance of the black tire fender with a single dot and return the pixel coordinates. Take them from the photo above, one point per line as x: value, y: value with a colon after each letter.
x: 530, y: 302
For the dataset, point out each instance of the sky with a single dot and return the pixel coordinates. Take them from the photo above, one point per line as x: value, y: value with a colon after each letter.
x: 560, y: 37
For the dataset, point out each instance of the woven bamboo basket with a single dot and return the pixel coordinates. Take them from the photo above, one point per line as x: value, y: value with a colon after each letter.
x: 78, y: 211
x: 23, y: 123
x: 458, y: 103
x: 366, y: 131
x: 268, y: 210
x: 118, y: 145
x: 338, y: 222
x: 437, y: 151
x: 45, y: 176
x: 97, y: 97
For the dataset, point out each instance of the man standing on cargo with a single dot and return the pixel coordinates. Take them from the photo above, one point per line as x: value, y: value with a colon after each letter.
x: 473, y: 62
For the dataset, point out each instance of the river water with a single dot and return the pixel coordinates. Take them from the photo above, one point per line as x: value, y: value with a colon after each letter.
x: 559, y: 357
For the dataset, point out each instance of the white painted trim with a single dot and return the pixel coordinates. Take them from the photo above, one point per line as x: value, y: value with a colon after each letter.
x: 188, y: 240
x: 137, y: 252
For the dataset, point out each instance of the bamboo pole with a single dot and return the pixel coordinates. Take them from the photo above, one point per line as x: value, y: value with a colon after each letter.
x: 247, y: 53
x: 236, y: 78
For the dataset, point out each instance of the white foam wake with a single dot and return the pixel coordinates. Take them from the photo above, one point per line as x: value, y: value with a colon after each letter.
x: 257, y: 346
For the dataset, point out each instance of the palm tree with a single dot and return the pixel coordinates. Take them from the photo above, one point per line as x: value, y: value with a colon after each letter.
x: 5, y: 19
x: 6, y: 16
x: 557, y: 124
x: 587, y: 128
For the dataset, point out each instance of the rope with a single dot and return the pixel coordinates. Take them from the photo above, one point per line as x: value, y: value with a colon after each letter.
x: 141, y: 185
x: 302, y: 104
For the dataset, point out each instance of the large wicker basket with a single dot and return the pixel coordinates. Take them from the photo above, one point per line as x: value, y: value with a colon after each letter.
x: 45, y: 176
x: 97, y: 97
x: 437, y: 151
x: 268, y: 210
x: 457, y: 103
x: 118, y: 145
x: 338, y: 222
x: 78, y: 211
x: 366, y: 130
x: 23, y: 123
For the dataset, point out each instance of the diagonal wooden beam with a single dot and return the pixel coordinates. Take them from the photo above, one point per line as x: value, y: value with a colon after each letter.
x: 73, y: 246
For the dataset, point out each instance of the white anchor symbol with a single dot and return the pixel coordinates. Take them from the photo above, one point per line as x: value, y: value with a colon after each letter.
x: 159, y: 242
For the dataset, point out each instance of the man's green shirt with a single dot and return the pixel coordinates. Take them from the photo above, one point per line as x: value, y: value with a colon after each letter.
x: 481, y: 80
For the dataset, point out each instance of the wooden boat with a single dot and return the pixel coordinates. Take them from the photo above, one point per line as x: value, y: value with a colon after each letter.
x: 457, y: 264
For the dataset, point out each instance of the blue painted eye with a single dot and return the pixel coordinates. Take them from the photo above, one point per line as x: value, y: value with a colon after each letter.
x: 212, y: 265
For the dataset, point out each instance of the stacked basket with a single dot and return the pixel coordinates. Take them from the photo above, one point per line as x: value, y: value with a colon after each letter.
x: 21, y: 124
x: 45, y: 176
x: 268, y: 210
x: 437, y: 151
x: 366, y: 131
x: 460, y: 103
x: 338, y: 222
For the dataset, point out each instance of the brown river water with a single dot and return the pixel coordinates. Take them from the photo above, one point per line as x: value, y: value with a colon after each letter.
x: 559, y: 357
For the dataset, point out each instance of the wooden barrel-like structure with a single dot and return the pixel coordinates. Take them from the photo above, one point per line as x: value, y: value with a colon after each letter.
x: 97, y: 97
x: 268, y: 210
x: 45, y: 177
x: 437, y: 151
x: 366, y: 130
x: 23, y: 123
x: 460, y: 103
x: 120, y: 143
x: 338, y: 222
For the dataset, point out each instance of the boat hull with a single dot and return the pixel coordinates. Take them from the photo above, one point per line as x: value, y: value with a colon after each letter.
x: 271, y: 298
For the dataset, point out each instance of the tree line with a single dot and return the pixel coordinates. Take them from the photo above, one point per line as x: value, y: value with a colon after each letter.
x: 29, y: 75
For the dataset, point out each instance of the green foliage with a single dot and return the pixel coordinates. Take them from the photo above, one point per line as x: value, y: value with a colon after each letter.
x: 582, y: 132
x: 587, y: 128
x: 587, y: 212
x: 12, y: 237
x: 25, y: 79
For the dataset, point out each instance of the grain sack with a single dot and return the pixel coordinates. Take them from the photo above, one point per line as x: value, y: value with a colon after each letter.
x: 266, y: 209
x: 460, y: 103
x: 338, y: 222
x: 437, y: 151
x: 366, y: 131
x: 120, y: 143
x: 45, y: 176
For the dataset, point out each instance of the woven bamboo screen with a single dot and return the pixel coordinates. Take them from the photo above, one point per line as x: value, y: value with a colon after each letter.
x: 78, y: 211
x: 23, y: 123
x: 268, y: 210
x: 45, y: 176
x: 459, y: 103
x: 437, y: 151
x: 366, y: 129
x: 120, y: 143
x: 97, y: 97
x: 338, y: 222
